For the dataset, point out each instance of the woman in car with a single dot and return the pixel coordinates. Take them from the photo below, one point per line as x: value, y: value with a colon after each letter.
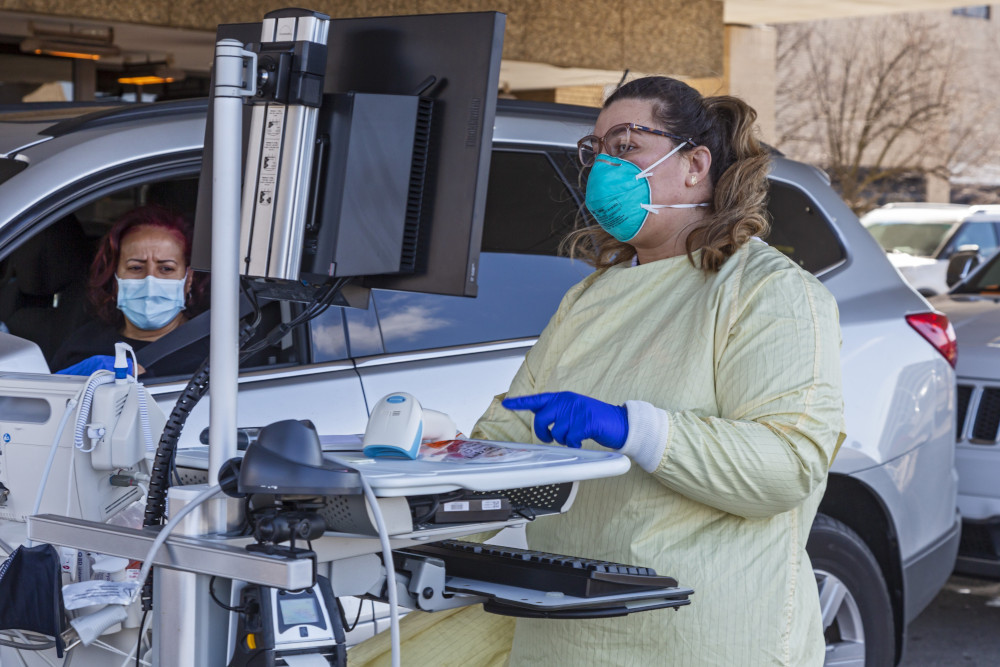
x: 712, y: 361
x: 141, y: 288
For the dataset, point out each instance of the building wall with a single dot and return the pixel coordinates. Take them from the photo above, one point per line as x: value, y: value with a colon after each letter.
x: 662, y: 36
x: 749, y: 57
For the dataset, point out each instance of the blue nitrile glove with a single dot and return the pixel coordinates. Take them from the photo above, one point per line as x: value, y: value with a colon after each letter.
x: 90, y: 364
x: 574, y: 418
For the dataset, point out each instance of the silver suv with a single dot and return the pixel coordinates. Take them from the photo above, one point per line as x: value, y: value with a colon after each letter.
x: 887, y: 533
x: 973, y: 306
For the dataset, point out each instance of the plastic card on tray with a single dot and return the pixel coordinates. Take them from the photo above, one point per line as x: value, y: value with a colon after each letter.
x: 484, y: 465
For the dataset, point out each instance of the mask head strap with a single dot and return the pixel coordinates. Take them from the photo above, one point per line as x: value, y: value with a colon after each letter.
x: 648, y: 171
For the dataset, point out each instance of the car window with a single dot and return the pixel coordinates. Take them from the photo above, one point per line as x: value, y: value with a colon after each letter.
x: 982, y: 234
x: 43, y: 281
x: 801, y: 231
x: 918, y: 239
x: 328, y: 337
x: 530, y: 207
x: 363, y: 331
x: 985, y: 279
x: 517, y: 296
x: 339, y: 329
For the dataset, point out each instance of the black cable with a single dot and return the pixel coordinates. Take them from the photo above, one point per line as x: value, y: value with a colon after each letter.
x: 622, y: 80
x: 434, y: 503
x: 159, y: 476
x: 138, y: 645
x: 343, y: 615
x: 196, y: 388
x: 252, y: 298
x: 525, y: 513
x: 211, y: 591
x: 163, y: 462
x: 316, y: 307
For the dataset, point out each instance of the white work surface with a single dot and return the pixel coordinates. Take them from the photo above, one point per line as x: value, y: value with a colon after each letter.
x: 537, y: 465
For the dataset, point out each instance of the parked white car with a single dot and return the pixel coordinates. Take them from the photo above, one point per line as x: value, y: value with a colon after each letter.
x: 920, y: 238
x: 885, y: 539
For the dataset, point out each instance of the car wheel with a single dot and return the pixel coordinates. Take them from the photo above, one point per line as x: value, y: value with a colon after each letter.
x: 854, y: 600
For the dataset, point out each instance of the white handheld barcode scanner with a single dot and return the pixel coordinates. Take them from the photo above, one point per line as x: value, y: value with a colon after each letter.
x: 398, y: 424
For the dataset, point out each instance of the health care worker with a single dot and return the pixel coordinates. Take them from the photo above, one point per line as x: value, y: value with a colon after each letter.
x: 712, y: 361
x: 141, y: 289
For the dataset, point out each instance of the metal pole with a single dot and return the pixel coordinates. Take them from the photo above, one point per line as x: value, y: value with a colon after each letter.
x: 189, y: 628
x: 227, y: 138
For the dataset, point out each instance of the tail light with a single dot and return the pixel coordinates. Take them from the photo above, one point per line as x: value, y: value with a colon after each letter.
x: 938, y: 331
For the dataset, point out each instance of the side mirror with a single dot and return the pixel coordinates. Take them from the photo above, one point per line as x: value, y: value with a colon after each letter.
x: 961, y: 263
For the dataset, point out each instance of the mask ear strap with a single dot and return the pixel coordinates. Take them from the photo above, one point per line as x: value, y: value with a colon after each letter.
x: 655, y: 208
x: 648, y: 171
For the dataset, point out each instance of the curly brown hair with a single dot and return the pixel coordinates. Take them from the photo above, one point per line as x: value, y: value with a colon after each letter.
x: 102, y: 286
x: 740, y: 164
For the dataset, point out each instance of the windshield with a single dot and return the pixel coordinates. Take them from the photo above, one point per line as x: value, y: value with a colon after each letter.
x: 919, y: 239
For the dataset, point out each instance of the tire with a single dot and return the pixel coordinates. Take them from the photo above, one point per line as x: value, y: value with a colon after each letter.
x: 854, y: 600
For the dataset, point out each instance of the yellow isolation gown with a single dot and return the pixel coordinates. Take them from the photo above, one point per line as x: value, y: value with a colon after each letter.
x: 738, y: 375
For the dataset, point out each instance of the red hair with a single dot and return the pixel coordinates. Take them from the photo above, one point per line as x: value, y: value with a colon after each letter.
x: 103, y: 288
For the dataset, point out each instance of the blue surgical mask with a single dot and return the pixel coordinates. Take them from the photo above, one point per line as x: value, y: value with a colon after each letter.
x: 150, y: 303
x: 619, y: 197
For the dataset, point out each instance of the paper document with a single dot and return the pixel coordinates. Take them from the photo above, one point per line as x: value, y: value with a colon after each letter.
x: 473, y: 451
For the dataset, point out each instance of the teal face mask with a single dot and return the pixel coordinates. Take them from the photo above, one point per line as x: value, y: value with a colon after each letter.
x: 619, y: 197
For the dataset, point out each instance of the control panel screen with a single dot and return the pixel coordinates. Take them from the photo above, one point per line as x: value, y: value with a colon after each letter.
x: 298, y: 611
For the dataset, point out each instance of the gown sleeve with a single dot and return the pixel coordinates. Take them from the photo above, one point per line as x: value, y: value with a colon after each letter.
x: 778, y: 389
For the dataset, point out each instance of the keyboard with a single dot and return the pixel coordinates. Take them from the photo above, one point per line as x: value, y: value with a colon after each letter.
x: 570, y: 575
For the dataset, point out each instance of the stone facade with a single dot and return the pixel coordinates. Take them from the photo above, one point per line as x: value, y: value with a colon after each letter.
x: 682, y: 37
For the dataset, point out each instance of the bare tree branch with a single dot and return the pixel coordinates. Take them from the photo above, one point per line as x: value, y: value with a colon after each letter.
x: 874, y: 100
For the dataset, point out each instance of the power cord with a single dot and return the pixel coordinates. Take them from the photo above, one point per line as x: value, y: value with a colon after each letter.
x: 211, y: 592
x: 343, y: 615
x: 138, y: 644
x: 30, y: 641
x: 387, y: 561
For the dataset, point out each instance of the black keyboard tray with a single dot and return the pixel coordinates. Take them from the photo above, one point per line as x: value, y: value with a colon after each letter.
x: 568, y: 575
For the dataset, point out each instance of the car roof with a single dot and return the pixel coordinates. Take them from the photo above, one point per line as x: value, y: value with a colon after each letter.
x: 28, y: 124
x: 916, y: 213
x: 984, y: 213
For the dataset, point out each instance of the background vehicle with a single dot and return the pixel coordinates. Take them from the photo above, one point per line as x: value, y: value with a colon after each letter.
x: 920, y: 238
x: 974, y: 307
x: 883, y: 545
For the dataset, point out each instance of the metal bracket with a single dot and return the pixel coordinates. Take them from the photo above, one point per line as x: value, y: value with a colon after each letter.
x: 425, y: 588
x: 235, y: 70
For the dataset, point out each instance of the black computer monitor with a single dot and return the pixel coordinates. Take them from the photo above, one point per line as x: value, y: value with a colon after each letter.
x: 452, y: 60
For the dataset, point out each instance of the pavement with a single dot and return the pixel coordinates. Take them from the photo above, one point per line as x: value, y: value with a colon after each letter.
x: 960, y: 628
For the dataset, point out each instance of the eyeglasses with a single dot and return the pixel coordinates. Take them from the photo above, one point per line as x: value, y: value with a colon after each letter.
x: 618, y: 141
